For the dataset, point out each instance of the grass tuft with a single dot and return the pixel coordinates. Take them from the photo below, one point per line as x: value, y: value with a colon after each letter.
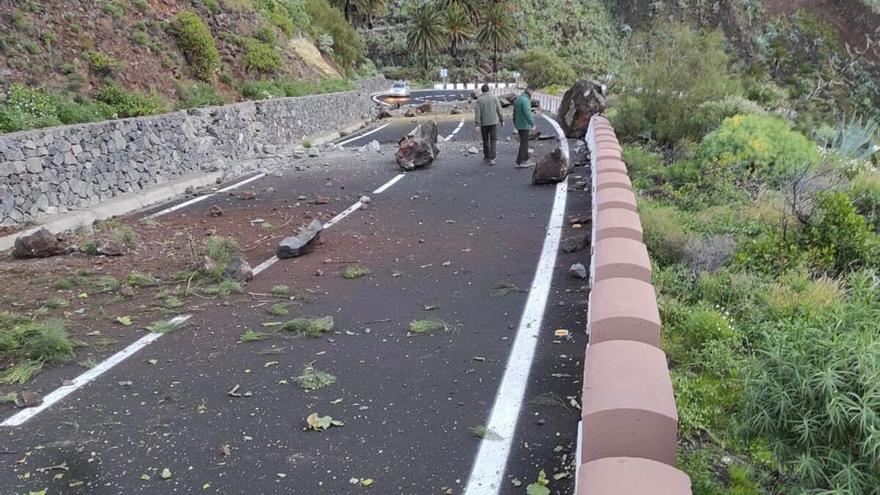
x: 21, y: 373
x: 138, y: 280
x: 419, y: 327
x: 310, y: 327
x: 162, y: 327
x: 278, y: 310
x: 280, y: 291
x: 223, y: 289
x: 313, y: 379
x: 352, y: 272
x: 252, y: 336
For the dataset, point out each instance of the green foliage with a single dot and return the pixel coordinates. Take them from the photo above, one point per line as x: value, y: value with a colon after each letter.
x: 645, y: 167
x: 260, y: 90
x: 314, y: 379
x: 224, y: 288
x: 198, y: 94
x: 33, y: 342
x: 212, y: 5
x: 267, y: 34
x: 498, y: 29
x: 663, y: 232
x: 677, y: 70
x: 352, y: 272
x: 813, y: 397
x: 541, y: 68
x: 419, y: 327
x: 838, y: 239
x: 220, y: 251
x: 103, y: 65
x: 856, y: 138
x: 309, y: 327
x: 347, y: 45
x: 459, y: 26
x: 709, y: 115
x: 113, y: 9
x: 752, y: 146
x: 252, y: 336
x: 197, y: 43
x: 279, y: 310
x: 866, y: 196
x: 23, y: 107
x: 426, y: 34
x: 139, y: 280
x: 261, y: 58
x: 126, y: 103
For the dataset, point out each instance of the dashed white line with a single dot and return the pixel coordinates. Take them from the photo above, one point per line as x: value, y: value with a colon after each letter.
x: 364, y: 134
x: 333, y: 221
x: 487, y: 475
x: 460, y: 125
x: 206, y: 196
x: 90, y: 375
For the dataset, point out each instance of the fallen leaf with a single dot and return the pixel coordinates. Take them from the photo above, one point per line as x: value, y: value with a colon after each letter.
x: 561, y: 475
x: 83, y: 296
x: 145, y: 477
x: 537, y: 489
x: 206, y: 486
x: 124, y: 320
x: 321, y: 423
x: 367, y: 482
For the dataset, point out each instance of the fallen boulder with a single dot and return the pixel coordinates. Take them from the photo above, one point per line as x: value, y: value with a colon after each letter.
x: 551, y: 168
x: 418, y: 148
x: 455, y: 110
x: 583, y: 100
x: 410, y: 113
x: 215, y: 211
x: 535, y: 134
x: 40, y: 244
x: 238, y: 269
x: 574, y: 244
x: 384, y: 114
x: 110, y: 247
x: 425, y: 107
x: 27, y: 398
x: 374, y: 146
x: 507, y: 99
x: 302, y: 243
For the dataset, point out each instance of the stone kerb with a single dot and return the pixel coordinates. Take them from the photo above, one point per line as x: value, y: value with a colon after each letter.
x: 618, y: 257
x: 610, y: 165
x: 611, y: 179
x: 631, y: 476
x: 628, y: 405
x: 623, y: 309
x: 617, y: 222
x: 615, y: 197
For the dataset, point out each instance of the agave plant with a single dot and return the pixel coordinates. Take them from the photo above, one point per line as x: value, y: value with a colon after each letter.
x: 856, y: 138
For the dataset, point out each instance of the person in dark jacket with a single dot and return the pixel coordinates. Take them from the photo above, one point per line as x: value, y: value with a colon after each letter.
x: 487, y: 118
x: 524, y: 123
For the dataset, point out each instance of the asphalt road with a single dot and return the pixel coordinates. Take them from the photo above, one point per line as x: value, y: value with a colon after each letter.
x: 459, y: 242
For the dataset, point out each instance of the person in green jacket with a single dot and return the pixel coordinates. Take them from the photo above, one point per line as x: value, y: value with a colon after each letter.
x: 487, y: 118
x: 524, y: 122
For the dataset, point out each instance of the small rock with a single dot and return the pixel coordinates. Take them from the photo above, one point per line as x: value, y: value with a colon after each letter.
x: 313, y: 152
x: 215, y: 211
x: 258, y: 221
x: 542, y: 421
x: 189, y: 190
x: 374, y: 146
x: 424, y: 107
x: 322, y: 200
x: 127, y: 291
x: 302, y: 243
x: 384, y: 114
x: 455, y: 110
x: 28, y: 398
x: 208, y: 265
x: 410, y: 113
x: 165, y: 474
x: 110, y: 247
x: 238, y: 269
x: 270, y: 190
x: 574, y: 244
x: 40, y: 244
x: 366, y: 200
x: 319, y: 273
x: 578, y: 271
x: 473, y: 150
x: 247, y: 195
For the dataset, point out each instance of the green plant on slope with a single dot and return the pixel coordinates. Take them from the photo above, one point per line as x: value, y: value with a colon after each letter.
x: 857, y: 138
x: 541, y: 68
x: 347, y: 45
x: 130, y: 103
x: 261, y: 58
x: 458, y: 25
x: 498, y: 30
x: 197, y: 43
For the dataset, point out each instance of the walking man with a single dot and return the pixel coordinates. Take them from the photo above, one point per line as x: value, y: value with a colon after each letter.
x: 524, y: 122
x: 487, y: 117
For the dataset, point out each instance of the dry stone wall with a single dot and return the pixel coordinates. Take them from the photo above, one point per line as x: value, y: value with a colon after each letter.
x: 48, y: 171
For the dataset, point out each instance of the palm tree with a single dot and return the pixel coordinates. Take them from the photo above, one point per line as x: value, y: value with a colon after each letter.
x: 459, y: 27
x: 472, y: 7
x: 348, y: 7
x: 371, y: 9
x: 497, y: 31
x: 426, y: 34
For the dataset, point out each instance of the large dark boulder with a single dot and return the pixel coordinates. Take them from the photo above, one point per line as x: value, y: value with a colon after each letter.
x: 583, y: 100
x: 302, y: 243
x: 425, y: 107
x: 507, y: 100
x: 551, y: 168
x: 40, y: 244
x: 418, y: 148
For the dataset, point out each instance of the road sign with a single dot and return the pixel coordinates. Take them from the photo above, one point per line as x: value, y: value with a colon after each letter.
x: 444, y: 73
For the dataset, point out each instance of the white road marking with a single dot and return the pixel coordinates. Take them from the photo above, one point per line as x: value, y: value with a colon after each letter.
x: 388, y: 184
x: 206, y: 196
x: 364, y: 134
x: 563, y: 142
x: 460, y: 125
x: 90, y: 375
x: 333, y: 221
x: 487, y: 475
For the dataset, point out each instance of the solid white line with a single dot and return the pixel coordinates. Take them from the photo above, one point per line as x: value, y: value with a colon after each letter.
x: 563, y: 142
x: 206, y: 196
x: 364, y: 134
x: 333, y: 221
x: 90, y: 375
x: 388, y: 184
x: 460, y: 125
x: 487, y: 475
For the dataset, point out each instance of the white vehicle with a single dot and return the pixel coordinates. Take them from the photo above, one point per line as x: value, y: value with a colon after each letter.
x: 400, y: 89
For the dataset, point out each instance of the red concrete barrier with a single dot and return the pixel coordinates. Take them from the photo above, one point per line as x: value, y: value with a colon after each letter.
x: 621, y: 258
x: 628, y: 405
x: 609, y: 146
x: 615, y: 197
x: 612, y: 179
x: 618, y: 222
x: 606, y: 153
x: 624, y: 309
x: 631, y: 476
x: 610, y: 165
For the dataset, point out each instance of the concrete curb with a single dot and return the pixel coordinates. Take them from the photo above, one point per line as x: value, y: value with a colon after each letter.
x: 116, y: 206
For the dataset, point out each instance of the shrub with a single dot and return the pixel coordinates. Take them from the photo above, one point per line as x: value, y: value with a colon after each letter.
x: 266, y: 33
x: 326, y: 19
x: 130, y: 103
x: 197, y: 43
x: 644, y: 167
x: 664, y: 234
x: 837, y: 237
x: 541, y: 68
x: 754, y: 146
x: 795, y: 292
x: 259, y: 90
x: 198, y: 94
x: 866, y: 195
x: 23, y: 107
x: 709, y: 115
x: 676, y: 69
x: 260, y: 58
x: 102, y: 64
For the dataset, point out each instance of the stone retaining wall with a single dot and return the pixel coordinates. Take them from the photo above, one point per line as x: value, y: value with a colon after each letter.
x: 53, y: 170
x: 629, y: 423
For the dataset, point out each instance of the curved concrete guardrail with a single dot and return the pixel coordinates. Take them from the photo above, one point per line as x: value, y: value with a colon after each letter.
x: 629, y: 424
